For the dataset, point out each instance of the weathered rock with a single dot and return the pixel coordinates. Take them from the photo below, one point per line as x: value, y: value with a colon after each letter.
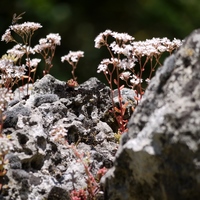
x: 42, y: 128
x: 159, y: 157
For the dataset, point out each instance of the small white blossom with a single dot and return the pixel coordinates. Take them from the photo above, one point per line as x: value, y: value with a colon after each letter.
x: 49, y: 42
x: 43, y: 41
x: 17, y: 51
x: 127, y: 63
x: 25, y: 28
x: 33, y: 62
x: 177, y: 43
x: 135, y: 80
x: 7, y: 37
x: 162, y: 48
x: 101, y: 38
x: 54, y: 38
x: 103, y: 66
x: 122, y: 36
x: 125, y: 75
x: 72, y: 56
x: 147, y: 80
x: 58, y: 134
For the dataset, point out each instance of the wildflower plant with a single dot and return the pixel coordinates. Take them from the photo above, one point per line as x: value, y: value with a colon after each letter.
x: 22, y: 34
x: 93, y: 182
x: 72, y: 58
x: 47, y: 48
x: 127, y: 62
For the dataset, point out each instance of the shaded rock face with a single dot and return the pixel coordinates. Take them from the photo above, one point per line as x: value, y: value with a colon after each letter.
x: 42, y: 165
x: 159, y: 157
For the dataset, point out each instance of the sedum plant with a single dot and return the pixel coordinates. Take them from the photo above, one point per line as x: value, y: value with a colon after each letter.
x: 127, y: 62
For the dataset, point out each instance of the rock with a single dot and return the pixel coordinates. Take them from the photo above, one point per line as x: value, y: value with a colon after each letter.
x: 159, y: 156
x: 42, y: 164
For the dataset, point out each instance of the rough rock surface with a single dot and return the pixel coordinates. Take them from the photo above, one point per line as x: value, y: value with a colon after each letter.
x: 42, y: 165
x: 159, y: 157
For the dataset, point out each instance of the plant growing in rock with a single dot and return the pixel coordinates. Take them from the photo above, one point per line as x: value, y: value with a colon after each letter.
x: 47, y: 48
x: 72, y: 58
x: 92, y: 183
x: 23, y: 49
x: 125, y: 55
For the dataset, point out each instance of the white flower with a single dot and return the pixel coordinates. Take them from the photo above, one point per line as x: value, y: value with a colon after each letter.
x: 162, y: 48
x: 17, y: 51
x: 42, y: 41
x: 54, y: 38
x: 135, y: 80
x: 58, y: 134
x: 33, y: 62
x: 103, y: 66
x: 19, y: 71
x: 127, y: 63
x: 7, y: 37
x: 26, y: 27
x: 147, y: 80
x: 49, y: 42
x: 122, y: 36
x: 100, y: 39
x: 72, y: 56
x: 177, y: 42
x: 125, y: 75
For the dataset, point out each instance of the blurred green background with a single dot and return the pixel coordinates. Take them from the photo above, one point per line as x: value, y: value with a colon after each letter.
x: 79, y: 22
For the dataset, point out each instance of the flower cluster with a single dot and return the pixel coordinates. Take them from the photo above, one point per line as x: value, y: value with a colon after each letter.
x: 10, y: 73
x: 7, y: 37
x: 154, y: 46
x: 128, y: 61
x: 25, y: 28
x: 47, y: 43
x: 133, y: 51
x: 18, y: 51
x: 46, y: 48
x: 58, y: 134
x: 72, y: 58
x: 101, y: 39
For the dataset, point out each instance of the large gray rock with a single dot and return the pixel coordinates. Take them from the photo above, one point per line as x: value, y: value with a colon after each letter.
x: 159, y: 157
x: 42, y: 126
